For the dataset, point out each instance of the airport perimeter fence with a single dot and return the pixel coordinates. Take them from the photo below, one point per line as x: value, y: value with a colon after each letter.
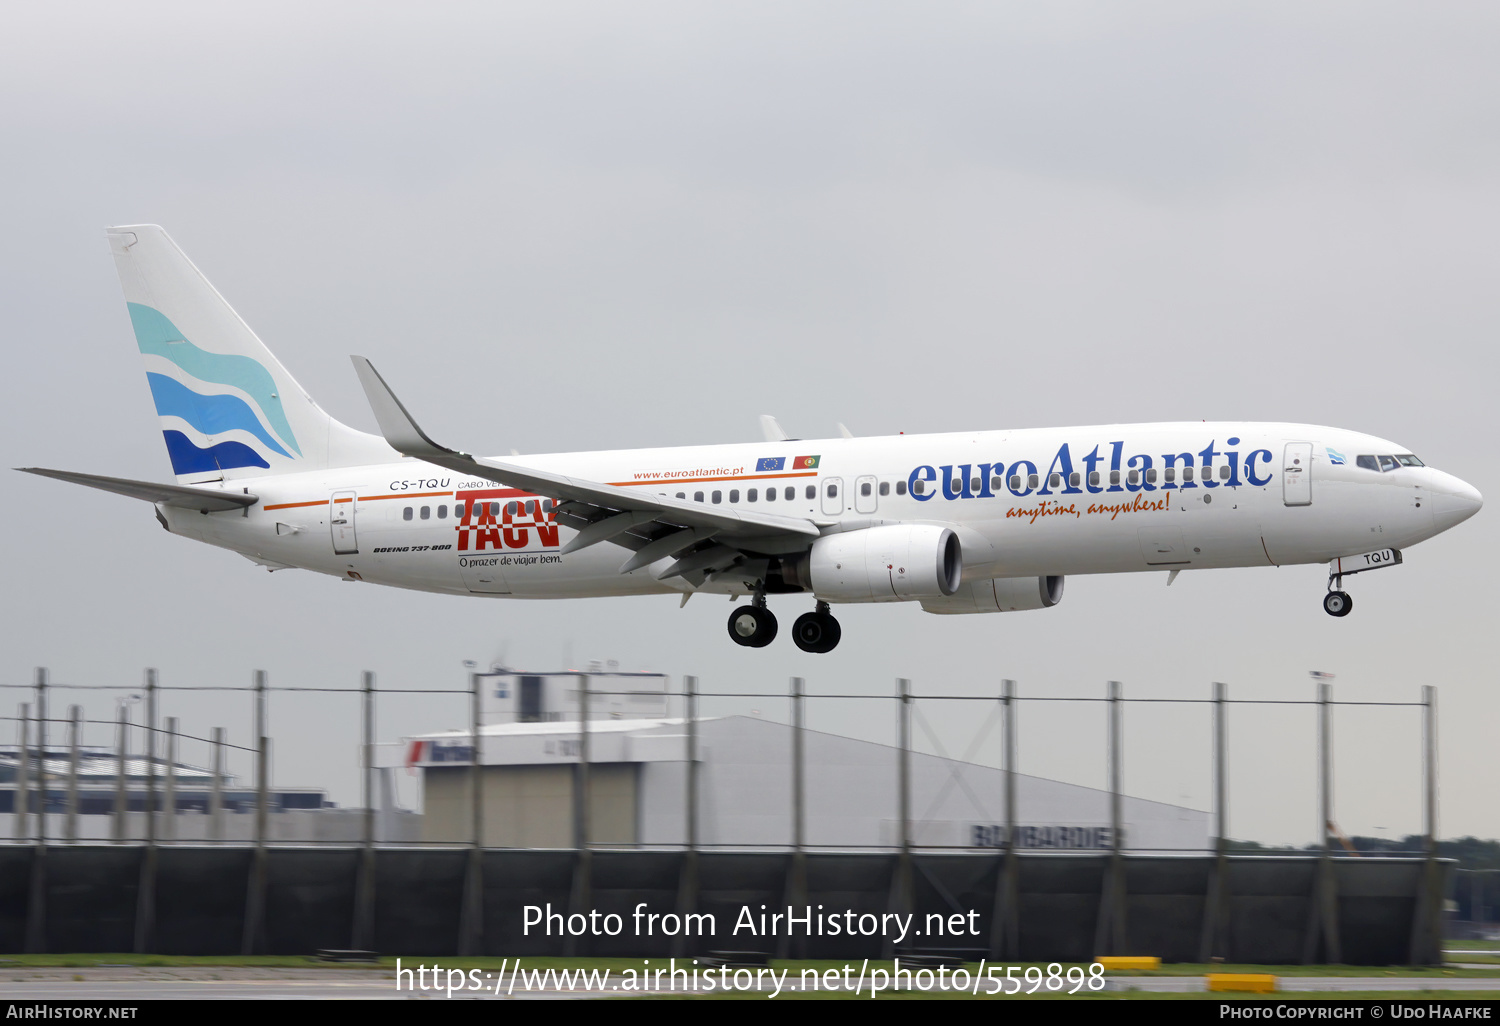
x: 1324, y: 906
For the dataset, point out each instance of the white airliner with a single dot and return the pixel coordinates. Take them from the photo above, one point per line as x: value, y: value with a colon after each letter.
x: 981, y: 522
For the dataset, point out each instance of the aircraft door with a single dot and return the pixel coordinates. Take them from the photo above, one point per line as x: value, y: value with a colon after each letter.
x: 341, y: 510
x: 833, y: 496
x: 865, y: 499
x: 1296, y: 474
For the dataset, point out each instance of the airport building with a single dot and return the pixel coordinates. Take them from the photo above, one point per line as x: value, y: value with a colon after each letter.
x: 531, y: 750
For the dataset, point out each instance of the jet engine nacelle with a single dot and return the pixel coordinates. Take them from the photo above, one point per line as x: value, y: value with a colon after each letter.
x: 886, y: 564
x: 1003, y: 595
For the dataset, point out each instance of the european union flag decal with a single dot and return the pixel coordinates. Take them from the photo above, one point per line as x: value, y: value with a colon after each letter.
x: 770, y: 463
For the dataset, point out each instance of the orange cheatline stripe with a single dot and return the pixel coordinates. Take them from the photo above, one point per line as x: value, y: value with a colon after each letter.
x: 689, y: 480
x: 366, y: 498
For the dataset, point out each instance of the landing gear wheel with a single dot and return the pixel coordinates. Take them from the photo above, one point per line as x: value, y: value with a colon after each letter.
x: 816, y: 632
x: 1337, y: 603
x: 752, y: 626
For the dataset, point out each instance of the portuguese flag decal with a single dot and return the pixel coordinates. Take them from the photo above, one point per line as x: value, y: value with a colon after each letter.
x: 806, y: 462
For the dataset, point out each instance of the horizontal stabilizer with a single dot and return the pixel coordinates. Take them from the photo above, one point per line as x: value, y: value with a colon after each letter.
x: 181, y: 496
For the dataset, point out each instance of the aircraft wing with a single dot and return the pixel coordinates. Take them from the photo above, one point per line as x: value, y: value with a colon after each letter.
x: 204, y: 500
x: 706, y: 540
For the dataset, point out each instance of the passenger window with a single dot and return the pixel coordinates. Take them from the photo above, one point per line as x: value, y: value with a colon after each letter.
x: 975, y: 485
x: 1054, y: 481
x: 717, y: 497
x: 1015, y: 482
x: 1187, y: 473
x: 900, y: 487
x: 531, y: 507
x: 833, y: 491
x: 406, y: 513
x: 1135, y: 477
x: 495, y: 509
x: 996, y: 484
x: 918, y: 487
x: 812, y: 492
x: 1151, y: 476
x: 512, y: 508
x: 546, y: 505
x: 1094, y: 479
x: 442, y: 512
x: 770, y: 495
x: 1223, y: 472
x: 697, y: 496
x: 426, y: 513
x: 864, y: 489
x: 458, y: 511
x: 1033, y: 481
x: 1114, y: 477
x: 885, y: 488
x: 682, y: 495
x: 734, y: 495
x: 752, y: 495
x: 1387, y: 463
x: 1075, y: 479
x: 1171, y: 473
x: 1368, y: 462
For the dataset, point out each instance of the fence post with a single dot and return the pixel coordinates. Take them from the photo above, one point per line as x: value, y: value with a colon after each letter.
x: 362, y: 936
x: 41, y: 757
x: 796, y: 880
x: 1324, y: 914
x: 1215, y: 936
x: 1426, y: 941
x: 169, y: 829
x: 255, y: 890
x: 36, y: 903
x: 471, y: 915
x: 75, y: 717
x: 21, y: 806
x: 902, y: 900
x: 122, y: 795
x: 1110, y: 937
x: 145, y: 901
x: 1005, y: 933
x: 216, y: 792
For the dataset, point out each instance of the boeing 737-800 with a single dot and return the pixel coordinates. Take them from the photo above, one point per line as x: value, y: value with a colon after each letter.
x: 982, y: 522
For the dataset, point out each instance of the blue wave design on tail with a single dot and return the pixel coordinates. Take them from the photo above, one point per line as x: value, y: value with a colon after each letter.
x: 187, y: 458
x: 210, y: 414
x: 158, y: 336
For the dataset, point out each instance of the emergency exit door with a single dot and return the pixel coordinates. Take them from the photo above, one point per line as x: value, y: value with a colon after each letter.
x: 1296, y: 474
x: 341, y: 509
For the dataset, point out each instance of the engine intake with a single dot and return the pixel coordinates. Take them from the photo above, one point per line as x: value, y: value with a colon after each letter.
x: 886, y: 564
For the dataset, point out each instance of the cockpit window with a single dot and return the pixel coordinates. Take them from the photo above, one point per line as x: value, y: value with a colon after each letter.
x: 1368, y: 462
x: 1388, y: 463
x: 1408, y: 460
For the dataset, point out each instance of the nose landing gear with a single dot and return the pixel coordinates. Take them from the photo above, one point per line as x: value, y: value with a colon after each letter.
x: 1337, y: 603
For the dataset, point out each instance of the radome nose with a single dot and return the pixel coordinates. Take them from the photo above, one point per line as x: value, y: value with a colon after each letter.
x: 1454, y: 501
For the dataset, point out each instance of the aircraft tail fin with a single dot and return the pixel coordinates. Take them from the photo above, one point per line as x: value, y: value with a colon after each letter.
x: 228, y: 408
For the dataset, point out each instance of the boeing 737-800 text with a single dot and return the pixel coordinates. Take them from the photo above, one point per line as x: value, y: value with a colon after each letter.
x: 983, y: 522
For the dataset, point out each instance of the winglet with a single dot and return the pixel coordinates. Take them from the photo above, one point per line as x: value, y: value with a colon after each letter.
x: 398, y: 427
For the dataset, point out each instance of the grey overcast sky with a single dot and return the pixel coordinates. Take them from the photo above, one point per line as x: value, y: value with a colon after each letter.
x: 561, y: 226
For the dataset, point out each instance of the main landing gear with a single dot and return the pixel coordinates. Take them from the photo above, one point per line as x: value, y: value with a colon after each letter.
x: 755, y: 627
x: 817, y: 631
